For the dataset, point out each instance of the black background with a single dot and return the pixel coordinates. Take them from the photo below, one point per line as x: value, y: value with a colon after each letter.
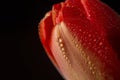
x: 22, y: 54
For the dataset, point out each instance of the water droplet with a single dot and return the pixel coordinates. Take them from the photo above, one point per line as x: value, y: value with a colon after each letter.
x: 94, y: 40
x: 89, y: 43
x: 59, y: 40
x: 89, y: 35
x: 99, y: 51
x: 64, y: 56
x: 100, y: 44
x: 63, y: 52
x: 63, y: 49
x: 80, y: 30
x: 93, y: 72
x: 84, y: 32
x: 89, y: 62
x: 61, y: 45
x: 77, y: 45
x: 90, y: 68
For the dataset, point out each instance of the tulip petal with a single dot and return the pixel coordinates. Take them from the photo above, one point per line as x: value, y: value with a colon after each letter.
x: 82, y: 38
x: 103, y: 16
x: 74, y: 61
x: 45, y: 31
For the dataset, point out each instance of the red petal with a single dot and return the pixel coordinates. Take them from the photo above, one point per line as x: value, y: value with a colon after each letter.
x: 45, y: 30
x: 98, y: 28
x: 95, y: 27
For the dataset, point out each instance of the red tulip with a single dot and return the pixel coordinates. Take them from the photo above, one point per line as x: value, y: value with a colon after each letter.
x: 82, y: 39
